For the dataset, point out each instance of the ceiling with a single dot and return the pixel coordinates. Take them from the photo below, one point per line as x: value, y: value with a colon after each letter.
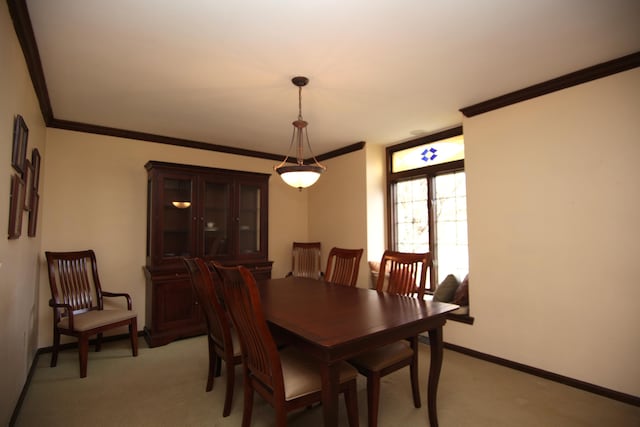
x: 381, y: 71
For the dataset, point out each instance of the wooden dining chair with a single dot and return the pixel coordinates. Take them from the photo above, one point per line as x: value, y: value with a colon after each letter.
x: 343, y: 266
x: 401, y: 273
x: 222, y: 338
x: 305, y: 260
x: 77, y: 300
x: 287, y: 379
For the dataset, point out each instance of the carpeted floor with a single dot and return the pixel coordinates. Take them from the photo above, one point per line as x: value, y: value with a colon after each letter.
x: 165, y: 386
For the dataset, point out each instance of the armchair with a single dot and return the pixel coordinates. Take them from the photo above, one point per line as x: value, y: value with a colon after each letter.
x: 77, y: 300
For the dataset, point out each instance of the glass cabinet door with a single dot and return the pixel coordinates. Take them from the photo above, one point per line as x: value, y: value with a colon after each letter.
x: 249, y: 214
x: 177, y: 217
x: 216, y: 219
x: 215, y: 214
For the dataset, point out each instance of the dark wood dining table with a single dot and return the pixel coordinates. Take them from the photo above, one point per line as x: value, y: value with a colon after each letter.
x: 333, y: 323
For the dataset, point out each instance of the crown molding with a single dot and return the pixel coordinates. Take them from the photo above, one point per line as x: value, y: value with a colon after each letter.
x: 24, y: 31
x: 568, y: 80
x: 160, y: 139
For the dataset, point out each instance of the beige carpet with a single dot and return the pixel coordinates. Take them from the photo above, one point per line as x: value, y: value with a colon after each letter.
x: 164, y: 386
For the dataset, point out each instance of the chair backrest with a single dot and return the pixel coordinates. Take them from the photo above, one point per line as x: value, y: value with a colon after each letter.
x: 404, y: 273
x: 205, y: 285
x: 73, y: 279
x: 259, y: 351
x: 305, y: 259
x: 343, y: 266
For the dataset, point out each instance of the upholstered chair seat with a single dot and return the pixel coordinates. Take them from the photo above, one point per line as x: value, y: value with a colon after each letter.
x: 96, y: 319
x: 383, y: 357
x: 301, y: 376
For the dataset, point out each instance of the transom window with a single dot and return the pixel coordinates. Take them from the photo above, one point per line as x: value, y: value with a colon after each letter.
x: 431, y: 154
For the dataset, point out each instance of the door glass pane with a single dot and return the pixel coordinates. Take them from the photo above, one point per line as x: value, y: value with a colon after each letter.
x: 177, y: 219
x: 451, y: 225
x: 412, y: 219
x: 217, y: 217
x: 249, y: 219
x: 450, y: 249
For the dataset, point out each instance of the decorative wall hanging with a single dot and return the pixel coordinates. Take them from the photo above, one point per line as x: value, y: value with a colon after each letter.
x: 33, y: 216
x: 20, y: 136
x: 35, y: 196
x: 16, y: 206
x: 28, y: 185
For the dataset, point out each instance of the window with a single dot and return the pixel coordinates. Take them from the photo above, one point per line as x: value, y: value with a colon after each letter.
x: 428, y: 201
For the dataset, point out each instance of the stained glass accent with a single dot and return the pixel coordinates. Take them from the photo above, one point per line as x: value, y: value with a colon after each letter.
x: 434, y: 153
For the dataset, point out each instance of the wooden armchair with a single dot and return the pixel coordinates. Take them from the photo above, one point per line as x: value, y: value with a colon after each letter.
x: 403, y: 274
x: 343, y: 266
x: 77, y: 300
x: 287, y: 379
x: 305, y: 260
x: 222, y: 338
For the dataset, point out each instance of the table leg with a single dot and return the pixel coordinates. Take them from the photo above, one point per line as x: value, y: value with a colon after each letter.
x: 435, y: 342
x: 330, y: 389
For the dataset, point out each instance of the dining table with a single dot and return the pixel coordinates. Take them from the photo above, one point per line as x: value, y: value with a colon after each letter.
x: 333, y: 323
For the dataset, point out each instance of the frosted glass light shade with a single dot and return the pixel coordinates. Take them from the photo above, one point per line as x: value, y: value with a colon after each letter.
x: 301, y: 176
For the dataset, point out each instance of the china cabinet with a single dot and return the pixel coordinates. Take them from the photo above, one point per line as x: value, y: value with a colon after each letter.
x: 194, y: 211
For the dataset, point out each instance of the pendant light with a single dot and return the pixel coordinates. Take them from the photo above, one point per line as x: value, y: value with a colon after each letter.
x: 300, y: 175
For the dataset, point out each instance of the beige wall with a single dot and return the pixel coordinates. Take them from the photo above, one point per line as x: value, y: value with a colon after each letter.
x: 337, y: 208
x: 95, y: 197
x: 554, y: 236
x: 376, y: 197
x: 18, y: 265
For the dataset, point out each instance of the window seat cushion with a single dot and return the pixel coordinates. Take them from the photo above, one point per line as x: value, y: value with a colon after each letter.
x: 461, y: 296
x: 446, y: 290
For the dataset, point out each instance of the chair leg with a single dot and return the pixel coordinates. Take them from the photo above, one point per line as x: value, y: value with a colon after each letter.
x: 231, y: 378
x: 415, y: 384
x: 99, y: 342
x: 213, y: 360
x: 413, y: 371
x: 133, y: 335
x: 373, y: 398
x: 351, y: 401
x: 83, y: 354
x: 281, y: 416
x: 56, y: 347
x: 248, y: 402
x: 218, y: 366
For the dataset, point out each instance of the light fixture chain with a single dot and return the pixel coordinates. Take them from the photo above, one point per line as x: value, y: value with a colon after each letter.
x: 300, y: 103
